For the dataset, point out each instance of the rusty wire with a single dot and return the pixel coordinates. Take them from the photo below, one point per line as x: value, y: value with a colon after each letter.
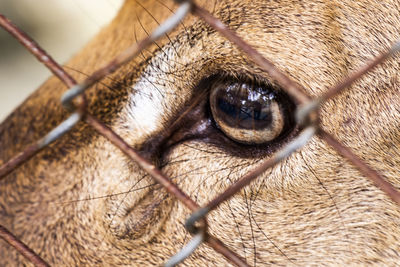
x: 306, y: 114
x: 22, y: 248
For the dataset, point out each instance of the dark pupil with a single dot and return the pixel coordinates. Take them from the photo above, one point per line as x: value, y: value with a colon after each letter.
x: 245, y: 106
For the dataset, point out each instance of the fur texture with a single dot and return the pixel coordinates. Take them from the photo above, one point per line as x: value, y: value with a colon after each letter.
x: 81, y: 202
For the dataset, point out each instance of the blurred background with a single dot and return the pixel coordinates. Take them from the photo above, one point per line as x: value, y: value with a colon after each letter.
x: 61, y: 27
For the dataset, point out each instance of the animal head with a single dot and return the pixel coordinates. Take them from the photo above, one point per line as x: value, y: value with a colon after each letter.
x: 188, y: 104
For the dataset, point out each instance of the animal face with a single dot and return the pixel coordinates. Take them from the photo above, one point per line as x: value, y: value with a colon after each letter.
x: 200, y: 110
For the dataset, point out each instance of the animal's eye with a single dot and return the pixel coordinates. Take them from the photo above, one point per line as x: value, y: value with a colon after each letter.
x: 250, y: 112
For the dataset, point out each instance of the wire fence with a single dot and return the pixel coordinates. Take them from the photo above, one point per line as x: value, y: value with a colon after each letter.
x: 307, y: 116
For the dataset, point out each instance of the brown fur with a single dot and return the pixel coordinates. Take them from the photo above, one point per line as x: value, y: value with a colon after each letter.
x: 312, y: 209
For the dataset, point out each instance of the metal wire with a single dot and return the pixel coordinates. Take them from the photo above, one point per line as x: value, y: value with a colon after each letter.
x: 315, y: 104
x: 173, y: 189
x: 127, y: 55
x: 36, y: 50
x: 187, y: 250
x: 306, y: 115
x: 22, y: 248
x: 285, y: 152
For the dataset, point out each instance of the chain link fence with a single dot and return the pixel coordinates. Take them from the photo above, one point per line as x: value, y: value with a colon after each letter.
x: 307, y: 116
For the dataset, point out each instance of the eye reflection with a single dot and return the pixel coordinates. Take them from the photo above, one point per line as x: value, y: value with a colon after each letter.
x: 249, y: 113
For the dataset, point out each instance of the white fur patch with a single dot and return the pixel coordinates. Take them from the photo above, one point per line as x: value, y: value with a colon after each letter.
x: 147, y: 107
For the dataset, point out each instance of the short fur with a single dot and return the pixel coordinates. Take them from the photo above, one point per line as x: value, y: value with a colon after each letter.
x: 70, y: 202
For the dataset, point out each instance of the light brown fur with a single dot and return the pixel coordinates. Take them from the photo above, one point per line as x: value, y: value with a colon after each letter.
x: 312, y: 209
